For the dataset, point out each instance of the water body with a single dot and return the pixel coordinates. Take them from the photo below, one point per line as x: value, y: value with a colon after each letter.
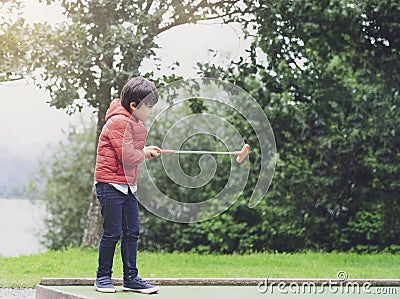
x: 21, y: 222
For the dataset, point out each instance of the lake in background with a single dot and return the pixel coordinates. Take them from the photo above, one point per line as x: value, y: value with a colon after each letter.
x: 21, y: 222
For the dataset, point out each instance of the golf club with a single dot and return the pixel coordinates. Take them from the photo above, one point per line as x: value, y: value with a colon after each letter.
x: 241, y: 155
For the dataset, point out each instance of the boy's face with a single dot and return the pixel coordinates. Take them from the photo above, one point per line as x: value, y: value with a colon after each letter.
x: 143, y: 112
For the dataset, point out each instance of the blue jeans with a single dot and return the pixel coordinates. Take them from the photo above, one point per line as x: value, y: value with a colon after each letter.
x: 120, y: 222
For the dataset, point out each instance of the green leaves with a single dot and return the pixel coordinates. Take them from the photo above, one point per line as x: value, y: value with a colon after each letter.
x: 340, y: 121
x: 14, y: 45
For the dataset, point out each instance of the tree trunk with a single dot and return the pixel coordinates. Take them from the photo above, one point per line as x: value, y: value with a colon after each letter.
x: 93, y: 228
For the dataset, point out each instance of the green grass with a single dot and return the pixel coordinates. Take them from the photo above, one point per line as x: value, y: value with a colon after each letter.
x: 26, y: 271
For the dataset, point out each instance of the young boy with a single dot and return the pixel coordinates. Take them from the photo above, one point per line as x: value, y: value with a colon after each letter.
x: 122, y: 139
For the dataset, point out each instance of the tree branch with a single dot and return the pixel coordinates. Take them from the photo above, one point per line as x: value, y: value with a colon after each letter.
x: 183, y: 19
x: 222, y: 16
x: 180, y: 20
x: 149, y: 4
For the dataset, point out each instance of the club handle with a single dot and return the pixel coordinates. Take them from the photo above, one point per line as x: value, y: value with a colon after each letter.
x: 168, y: 151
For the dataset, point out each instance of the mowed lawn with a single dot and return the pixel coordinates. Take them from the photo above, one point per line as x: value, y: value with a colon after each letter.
x: 26, y: 271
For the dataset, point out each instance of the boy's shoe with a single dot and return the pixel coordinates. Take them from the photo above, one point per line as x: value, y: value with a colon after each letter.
x: 139, y: 285
x: 104, y: 285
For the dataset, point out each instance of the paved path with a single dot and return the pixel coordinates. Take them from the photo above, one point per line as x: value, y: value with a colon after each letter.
x: 17, y: 293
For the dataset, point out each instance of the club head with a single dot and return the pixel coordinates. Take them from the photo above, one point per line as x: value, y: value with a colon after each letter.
x: 242, y: 154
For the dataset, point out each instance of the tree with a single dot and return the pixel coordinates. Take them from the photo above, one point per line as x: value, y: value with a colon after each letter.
x: 332, y: 69
x: 87, y: 59
x: 335, y: 117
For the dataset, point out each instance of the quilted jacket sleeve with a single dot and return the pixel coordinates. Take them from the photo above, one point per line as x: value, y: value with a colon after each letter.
x: 121, y: 139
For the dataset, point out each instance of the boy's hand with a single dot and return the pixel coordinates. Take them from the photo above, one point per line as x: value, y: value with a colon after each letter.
x: 151, y: 152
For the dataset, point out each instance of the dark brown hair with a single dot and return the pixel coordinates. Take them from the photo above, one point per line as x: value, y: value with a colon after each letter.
x: 139, y: 90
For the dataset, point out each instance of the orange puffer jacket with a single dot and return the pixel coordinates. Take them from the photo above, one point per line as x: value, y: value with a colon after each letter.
x: 120, y: 148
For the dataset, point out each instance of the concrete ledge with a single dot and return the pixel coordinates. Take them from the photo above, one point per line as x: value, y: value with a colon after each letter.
x: 233, y: 288
x: 45, y: 292
x: 222, y: 281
